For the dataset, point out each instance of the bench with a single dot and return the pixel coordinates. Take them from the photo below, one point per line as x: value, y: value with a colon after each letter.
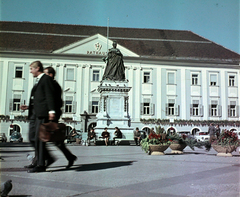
x: 127, y: 139
x: 84, y: 140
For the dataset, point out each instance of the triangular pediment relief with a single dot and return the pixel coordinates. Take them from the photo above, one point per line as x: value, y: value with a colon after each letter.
x: 94, y: 45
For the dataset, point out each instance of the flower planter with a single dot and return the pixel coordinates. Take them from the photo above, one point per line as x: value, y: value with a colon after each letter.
x: 177, y: 148
x: 157, y: 149
x: 224, y: 151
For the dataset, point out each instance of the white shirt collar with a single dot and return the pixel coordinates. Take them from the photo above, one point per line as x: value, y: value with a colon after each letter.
x: 39, y: 76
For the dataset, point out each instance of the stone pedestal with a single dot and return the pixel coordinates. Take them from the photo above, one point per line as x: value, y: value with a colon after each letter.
x: 113, y: 108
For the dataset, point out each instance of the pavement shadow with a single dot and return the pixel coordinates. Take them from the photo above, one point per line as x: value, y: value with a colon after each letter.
x: 20, y: 195
x: 96, y: 166
x: 16, y: 151
x: 13, y: 169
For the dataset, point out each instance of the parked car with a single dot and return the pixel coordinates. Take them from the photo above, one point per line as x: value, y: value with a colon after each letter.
x: 3, y: 137
x: 183, y: 132
x: 16, y: 137
x: 202, y: 136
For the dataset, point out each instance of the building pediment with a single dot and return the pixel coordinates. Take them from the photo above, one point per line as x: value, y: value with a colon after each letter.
x: 94, y: 45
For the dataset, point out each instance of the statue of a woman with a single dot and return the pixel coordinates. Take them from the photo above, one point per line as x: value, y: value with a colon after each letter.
x: 115, y: 68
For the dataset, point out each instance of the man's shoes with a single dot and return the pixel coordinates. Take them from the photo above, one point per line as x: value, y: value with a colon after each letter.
x: 50, y: 161
x: 37, y: 169
x: 70, y: 162
x: 30, y: 166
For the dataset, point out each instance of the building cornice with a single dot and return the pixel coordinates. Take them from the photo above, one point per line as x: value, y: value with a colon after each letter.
x: 136, y: 60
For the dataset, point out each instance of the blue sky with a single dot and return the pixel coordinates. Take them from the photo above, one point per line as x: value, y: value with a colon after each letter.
x: 216, y: 20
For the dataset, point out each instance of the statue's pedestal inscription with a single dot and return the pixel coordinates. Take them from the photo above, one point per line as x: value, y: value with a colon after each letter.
x: 113, y: 107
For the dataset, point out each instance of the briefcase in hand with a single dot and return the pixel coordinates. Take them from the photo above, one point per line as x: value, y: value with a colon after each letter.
x: 52, y: 132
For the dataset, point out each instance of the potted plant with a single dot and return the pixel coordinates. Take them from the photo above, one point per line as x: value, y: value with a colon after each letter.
x: 156, y: 143
x: 179, y: 142
x: 226, y: 143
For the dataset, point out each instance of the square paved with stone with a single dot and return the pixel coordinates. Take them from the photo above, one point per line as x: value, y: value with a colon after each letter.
x: 123, y: 171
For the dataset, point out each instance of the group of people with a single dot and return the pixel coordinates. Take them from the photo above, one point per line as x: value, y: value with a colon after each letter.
x: 45, y: 105
x: 106, y: 135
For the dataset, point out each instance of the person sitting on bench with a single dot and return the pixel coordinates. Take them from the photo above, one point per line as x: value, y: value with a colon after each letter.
x: 91, y: 135
x: 137, y: 137
x: 117, y: 134
x: 105, y: 135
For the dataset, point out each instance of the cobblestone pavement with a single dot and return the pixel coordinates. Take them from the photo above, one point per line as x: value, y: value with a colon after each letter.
x: 123, y: 171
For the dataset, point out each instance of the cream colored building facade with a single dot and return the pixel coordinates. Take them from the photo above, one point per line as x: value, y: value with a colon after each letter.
x: 161, y: 88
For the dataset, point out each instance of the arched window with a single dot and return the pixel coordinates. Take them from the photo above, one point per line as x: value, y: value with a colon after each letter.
x: 14, y: 127
x: 195, y: 130
x: 68, y: 130
x: 147, y: 129
x: 92, y: 125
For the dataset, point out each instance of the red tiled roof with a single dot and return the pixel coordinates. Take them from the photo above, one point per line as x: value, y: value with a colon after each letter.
x: 154, y: 43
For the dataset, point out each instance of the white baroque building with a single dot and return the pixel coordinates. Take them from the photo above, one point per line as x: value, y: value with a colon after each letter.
x: 173, y: 75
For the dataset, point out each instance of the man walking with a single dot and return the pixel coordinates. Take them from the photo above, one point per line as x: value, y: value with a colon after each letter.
x: 212, y: 132
x: 41, y: 109
x: 59, y: 103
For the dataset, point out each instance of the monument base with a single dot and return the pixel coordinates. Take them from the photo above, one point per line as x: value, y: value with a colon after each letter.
x: 113, y: 108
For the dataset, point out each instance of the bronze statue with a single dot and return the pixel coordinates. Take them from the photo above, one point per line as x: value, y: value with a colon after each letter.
x: 115, y: 68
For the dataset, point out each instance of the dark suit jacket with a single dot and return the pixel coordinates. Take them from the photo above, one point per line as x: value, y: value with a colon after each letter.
x: 43, y: 97
x: 58, y: 99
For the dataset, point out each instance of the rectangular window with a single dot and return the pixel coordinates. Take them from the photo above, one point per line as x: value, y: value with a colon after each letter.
x: 95, y: 76
x: 70, y: 74
x: 171, y: 78
x: 170, y: 109
x: 94, y: 107
x: 196, y: 109
x: 213, y: 80
x: 215, y: 110
x: 69, y: 105
x: 232, y: 109
x: 146, y: 77
x: 18, y: 71
x: 194, y: 79
x: 16, y: 102
x: 146, y: 108
x: 231, y: 80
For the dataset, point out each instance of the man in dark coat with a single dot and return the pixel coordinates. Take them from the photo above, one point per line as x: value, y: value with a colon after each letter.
x: 212, y: 132
x: 41, y: 108
x: 117, y: 134
x: 59, y: 103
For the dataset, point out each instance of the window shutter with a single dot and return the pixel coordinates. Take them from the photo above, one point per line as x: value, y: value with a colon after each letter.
x: 219, y: 110
x: 90, y: 107
x: 209, y: 111
x: 166, y: 109
x: 23, y: 102
x: 141, y: 108
x: 191, y: 109
x: 176, y: 112
x: 11, y: 105
x: 152, y: 109
x: 237, y: 110
x: 228, y: 110
x: 64, y: 106
x: 74, y: 107
x: 200, y: 110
